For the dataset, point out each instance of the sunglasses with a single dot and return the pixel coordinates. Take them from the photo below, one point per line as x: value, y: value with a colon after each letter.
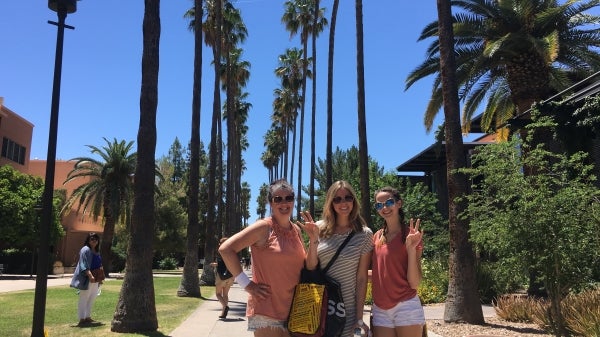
x: 388, y: 203
x: 338, y: 200
x: 278, y: 199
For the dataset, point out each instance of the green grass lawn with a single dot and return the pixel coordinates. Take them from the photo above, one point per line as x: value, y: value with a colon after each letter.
x: 16, y: 310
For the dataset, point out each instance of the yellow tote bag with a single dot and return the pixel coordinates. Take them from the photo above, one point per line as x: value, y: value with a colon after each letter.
x: 309, y: 309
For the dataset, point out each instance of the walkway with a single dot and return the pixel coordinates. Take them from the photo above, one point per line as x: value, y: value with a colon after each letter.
x: 204, y: 321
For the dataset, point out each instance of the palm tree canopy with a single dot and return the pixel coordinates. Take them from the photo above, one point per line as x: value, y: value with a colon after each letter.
x: 511, y: 53
x: 110, y: 179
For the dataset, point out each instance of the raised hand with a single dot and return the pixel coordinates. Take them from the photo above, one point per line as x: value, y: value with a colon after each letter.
x: 309, y: 226
x: 414, y: 237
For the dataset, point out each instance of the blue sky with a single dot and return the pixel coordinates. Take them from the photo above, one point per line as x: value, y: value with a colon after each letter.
x: 101, y: 76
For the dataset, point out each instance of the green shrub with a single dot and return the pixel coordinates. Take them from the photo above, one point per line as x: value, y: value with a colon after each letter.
x: 434, y: 285
x: 168, y: 263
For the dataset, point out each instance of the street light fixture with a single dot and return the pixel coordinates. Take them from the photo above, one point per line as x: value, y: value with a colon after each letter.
x: 62, y: 8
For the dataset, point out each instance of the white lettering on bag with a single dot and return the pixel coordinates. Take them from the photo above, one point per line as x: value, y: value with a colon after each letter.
x: 336, y: 308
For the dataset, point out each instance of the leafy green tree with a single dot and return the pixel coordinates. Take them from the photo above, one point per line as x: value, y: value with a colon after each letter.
x: 108, y: 190
x: 177, y: 160
x: 20, y: 195
x: 171, y: 215
x: 542, y: 221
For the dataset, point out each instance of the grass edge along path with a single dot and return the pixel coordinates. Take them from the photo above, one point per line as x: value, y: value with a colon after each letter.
x: 16, y: 310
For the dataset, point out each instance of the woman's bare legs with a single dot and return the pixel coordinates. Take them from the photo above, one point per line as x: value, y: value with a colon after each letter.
x: 399, y: 331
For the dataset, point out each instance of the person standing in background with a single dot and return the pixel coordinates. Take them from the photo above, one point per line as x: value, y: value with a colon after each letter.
x: 396, y: 263
x: 223, y: 281
x: 84, y: 280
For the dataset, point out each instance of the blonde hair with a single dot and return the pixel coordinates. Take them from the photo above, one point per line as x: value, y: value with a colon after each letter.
x: 330, y: 216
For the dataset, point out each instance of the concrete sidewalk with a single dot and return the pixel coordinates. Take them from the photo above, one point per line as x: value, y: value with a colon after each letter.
x: 204, y: 321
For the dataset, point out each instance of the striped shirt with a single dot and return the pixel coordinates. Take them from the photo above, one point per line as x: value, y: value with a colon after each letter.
x: 344, y: 269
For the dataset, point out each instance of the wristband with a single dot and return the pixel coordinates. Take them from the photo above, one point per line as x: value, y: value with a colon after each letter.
x: 243, y: 280
x: 360, y: 322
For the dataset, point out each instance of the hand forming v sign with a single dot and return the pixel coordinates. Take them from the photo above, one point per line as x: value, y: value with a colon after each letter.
x: 309, y: 226
x: 414, y: 237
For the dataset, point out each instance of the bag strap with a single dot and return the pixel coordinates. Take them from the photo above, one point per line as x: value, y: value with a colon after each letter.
x: 338, y: 252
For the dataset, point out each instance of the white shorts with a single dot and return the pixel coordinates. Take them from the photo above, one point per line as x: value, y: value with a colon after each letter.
x: 260, y: 322
x: 405, y: 313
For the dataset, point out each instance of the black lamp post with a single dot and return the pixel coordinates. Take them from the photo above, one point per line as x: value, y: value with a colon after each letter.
x: 61, y: 7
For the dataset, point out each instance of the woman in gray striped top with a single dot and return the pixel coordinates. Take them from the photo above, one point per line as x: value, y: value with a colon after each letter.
x: 341, y: 216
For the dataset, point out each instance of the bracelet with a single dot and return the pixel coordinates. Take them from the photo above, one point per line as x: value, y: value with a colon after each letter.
x: 243, y: 280
x: 360, y: 322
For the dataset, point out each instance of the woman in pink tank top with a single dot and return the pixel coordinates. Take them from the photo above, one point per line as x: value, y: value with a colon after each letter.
x: 396, y: 263
x: 278, y: 255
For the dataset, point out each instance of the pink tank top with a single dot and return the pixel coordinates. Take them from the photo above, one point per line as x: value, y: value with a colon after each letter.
x: 277, y: 264
x: 389, y: 276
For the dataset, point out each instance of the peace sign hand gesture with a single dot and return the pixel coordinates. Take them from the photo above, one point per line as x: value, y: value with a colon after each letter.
x: 414, y: 239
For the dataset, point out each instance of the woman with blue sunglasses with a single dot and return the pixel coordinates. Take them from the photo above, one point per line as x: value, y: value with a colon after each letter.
x: 396, y: 264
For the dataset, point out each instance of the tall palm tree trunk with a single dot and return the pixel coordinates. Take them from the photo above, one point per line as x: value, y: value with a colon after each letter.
x: 462, y: 303
x: 329, y: 145
x: 363, y: 152
x: 108, y: 235
x: 208, y: 275
x: 190, y: 282
x: 311, y: 191
x: 136, y: 307
x: 301, y: 137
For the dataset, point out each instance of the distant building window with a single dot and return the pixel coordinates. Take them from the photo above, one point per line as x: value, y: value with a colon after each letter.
x: 13, y: 151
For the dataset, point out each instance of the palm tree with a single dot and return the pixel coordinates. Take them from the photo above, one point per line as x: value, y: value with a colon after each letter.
x: 109, y: 190
x: 329, y: 145
x: 289, y: 70
x: 462, y: 302
x: 136, y: 307
x: 234, y: 77
x: 212, y: 37
x: 512, y: 53
x: 363, y: 150
x: 298, y: 16
x: 285, y: 112
x: 190, y: 282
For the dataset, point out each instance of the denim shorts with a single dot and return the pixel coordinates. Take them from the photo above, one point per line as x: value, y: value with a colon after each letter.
x: 405, y: 313
x: 260, y: 322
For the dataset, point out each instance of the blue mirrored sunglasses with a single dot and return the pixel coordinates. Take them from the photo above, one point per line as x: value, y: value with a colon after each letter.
x: 388, y: 203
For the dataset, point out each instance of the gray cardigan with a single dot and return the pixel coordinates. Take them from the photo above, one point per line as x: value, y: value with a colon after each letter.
x: 80, y: 279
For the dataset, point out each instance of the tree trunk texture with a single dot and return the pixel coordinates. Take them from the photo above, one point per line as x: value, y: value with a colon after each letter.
x: 190, y: 282
x: 462, y: 303
x: 329, y: 150
x: 363, y: 151
x: 136, y: 307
